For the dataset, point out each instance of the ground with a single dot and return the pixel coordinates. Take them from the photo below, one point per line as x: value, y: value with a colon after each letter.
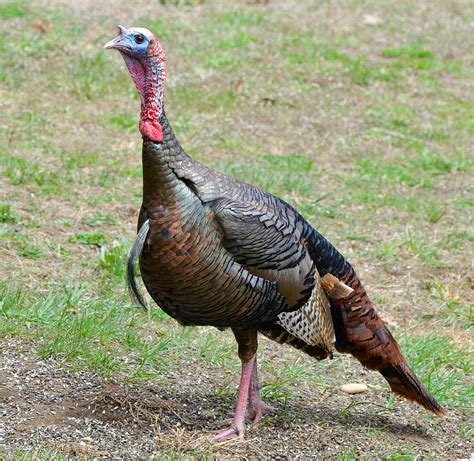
x: 359, y: 113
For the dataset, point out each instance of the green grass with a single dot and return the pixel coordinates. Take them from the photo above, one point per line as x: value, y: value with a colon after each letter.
x: 7, y: 215
x: 19, y: 172
x: 20, y: 244
x: 89, y: 238
x: 99, y: 219
x: 386, y: 251
x: 78, y: 160
x: 413, y: 245
x: 99, y: 333
x: 450, y: 305
x: 113, y: 259
x: 282, y: 175
x: 442, y: 367
x: 307, y: 51
x: 125, y: 121
x: 37, y: 454
x: 434, y: 212
x: 12, y: 10
x: 351, y: 454
x: 419, y: 171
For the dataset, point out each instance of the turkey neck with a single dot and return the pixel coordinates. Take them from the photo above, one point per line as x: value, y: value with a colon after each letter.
x: 160, y: 183
x: 152, y: 93
x: 149, y: 75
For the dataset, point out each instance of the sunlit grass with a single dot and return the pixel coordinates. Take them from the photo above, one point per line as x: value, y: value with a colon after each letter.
x: 442, y: 367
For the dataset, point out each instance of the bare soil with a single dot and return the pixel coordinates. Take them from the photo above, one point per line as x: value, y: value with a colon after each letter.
x: 81, y: 415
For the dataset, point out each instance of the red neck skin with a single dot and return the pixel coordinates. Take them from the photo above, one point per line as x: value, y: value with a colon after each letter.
x: 149, y: 76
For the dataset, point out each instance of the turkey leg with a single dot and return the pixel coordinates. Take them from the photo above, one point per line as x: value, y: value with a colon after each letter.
x: 248, y: 388
x: 257, y: 407
x: 237, y: 427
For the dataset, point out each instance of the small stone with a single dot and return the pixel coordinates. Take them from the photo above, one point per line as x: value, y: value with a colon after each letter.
x: 354, y: 388
x: 372, y: 20
x: 87, y: 440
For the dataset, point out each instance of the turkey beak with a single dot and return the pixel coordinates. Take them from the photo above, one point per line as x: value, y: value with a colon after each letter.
x: 120, y: 41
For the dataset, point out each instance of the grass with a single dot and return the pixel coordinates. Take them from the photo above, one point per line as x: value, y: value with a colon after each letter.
x: 450, y: 305
x: 351, y: 454
x: 367, y: 130
x: 12, y: 10
x: 7, y: 215
x: 283, y: 174
x: 106, y: 335
x: 21, y: 244
x: 35, y: 454
x: 100, y: 333
x: 99, y: 219
x: 89, y: 238
x: 442, y: 367
x: 20, y: 172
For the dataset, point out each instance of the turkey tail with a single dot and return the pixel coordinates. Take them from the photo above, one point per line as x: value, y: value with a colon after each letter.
x: 334, y: 288
x: 404, y: 382
x: 133, y: 257
x: 359, y: 329
x: 361, y: 332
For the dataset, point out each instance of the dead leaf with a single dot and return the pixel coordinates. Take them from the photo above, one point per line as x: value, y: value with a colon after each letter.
x: 41, y: 27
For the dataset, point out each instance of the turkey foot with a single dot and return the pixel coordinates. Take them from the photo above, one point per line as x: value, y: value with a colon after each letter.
x: 257, y: 410
x: 256, y: 406
x: 249, y: 396
x: 237, y: 427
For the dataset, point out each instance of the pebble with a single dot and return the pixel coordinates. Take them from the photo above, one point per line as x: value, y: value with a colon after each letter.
x: 354, y: 388
x: 372, y: 20
x: 88, y: 440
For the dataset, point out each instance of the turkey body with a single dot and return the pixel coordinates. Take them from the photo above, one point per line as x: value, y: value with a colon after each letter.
x: 220, y: 252
x: 188, y: 272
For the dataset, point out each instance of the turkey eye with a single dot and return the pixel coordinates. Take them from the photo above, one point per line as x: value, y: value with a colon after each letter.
x: 139, y: 39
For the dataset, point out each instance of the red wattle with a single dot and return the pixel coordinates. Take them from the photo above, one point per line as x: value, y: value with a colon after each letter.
x: 151, y: 130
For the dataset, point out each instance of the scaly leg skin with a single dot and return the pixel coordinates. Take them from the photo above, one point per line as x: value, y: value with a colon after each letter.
x: 237, y: 428
x: 249, y: 393
x: 257, y: 407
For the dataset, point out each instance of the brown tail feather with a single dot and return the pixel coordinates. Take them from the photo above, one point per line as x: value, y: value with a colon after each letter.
x: 404, y: 382
x: 362, y: 333
x: 334, y: 288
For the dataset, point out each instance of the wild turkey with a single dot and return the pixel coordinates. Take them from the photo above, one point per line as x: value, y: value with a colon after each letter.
x: 215, y: 251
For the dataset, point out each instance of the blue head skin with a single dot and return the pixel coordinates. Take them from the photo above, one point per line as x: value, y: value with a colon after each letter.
x: 132, y: 42
x: 146, y: 62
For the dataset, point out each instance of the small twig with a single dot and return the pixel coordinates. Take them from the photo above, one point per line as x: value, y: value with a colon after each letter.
x: 321, y: 197
x: 404, y: 136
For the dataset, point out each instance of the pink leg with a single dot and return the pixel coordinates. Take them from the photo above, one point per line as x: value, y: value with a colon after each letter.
x: 257, y: 407
x: 237, y: 428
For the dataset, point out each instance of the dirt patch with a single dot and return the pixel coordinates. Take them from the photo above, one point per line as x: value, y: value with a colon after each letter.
x: 109, y: 403
x: 81, y: 415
